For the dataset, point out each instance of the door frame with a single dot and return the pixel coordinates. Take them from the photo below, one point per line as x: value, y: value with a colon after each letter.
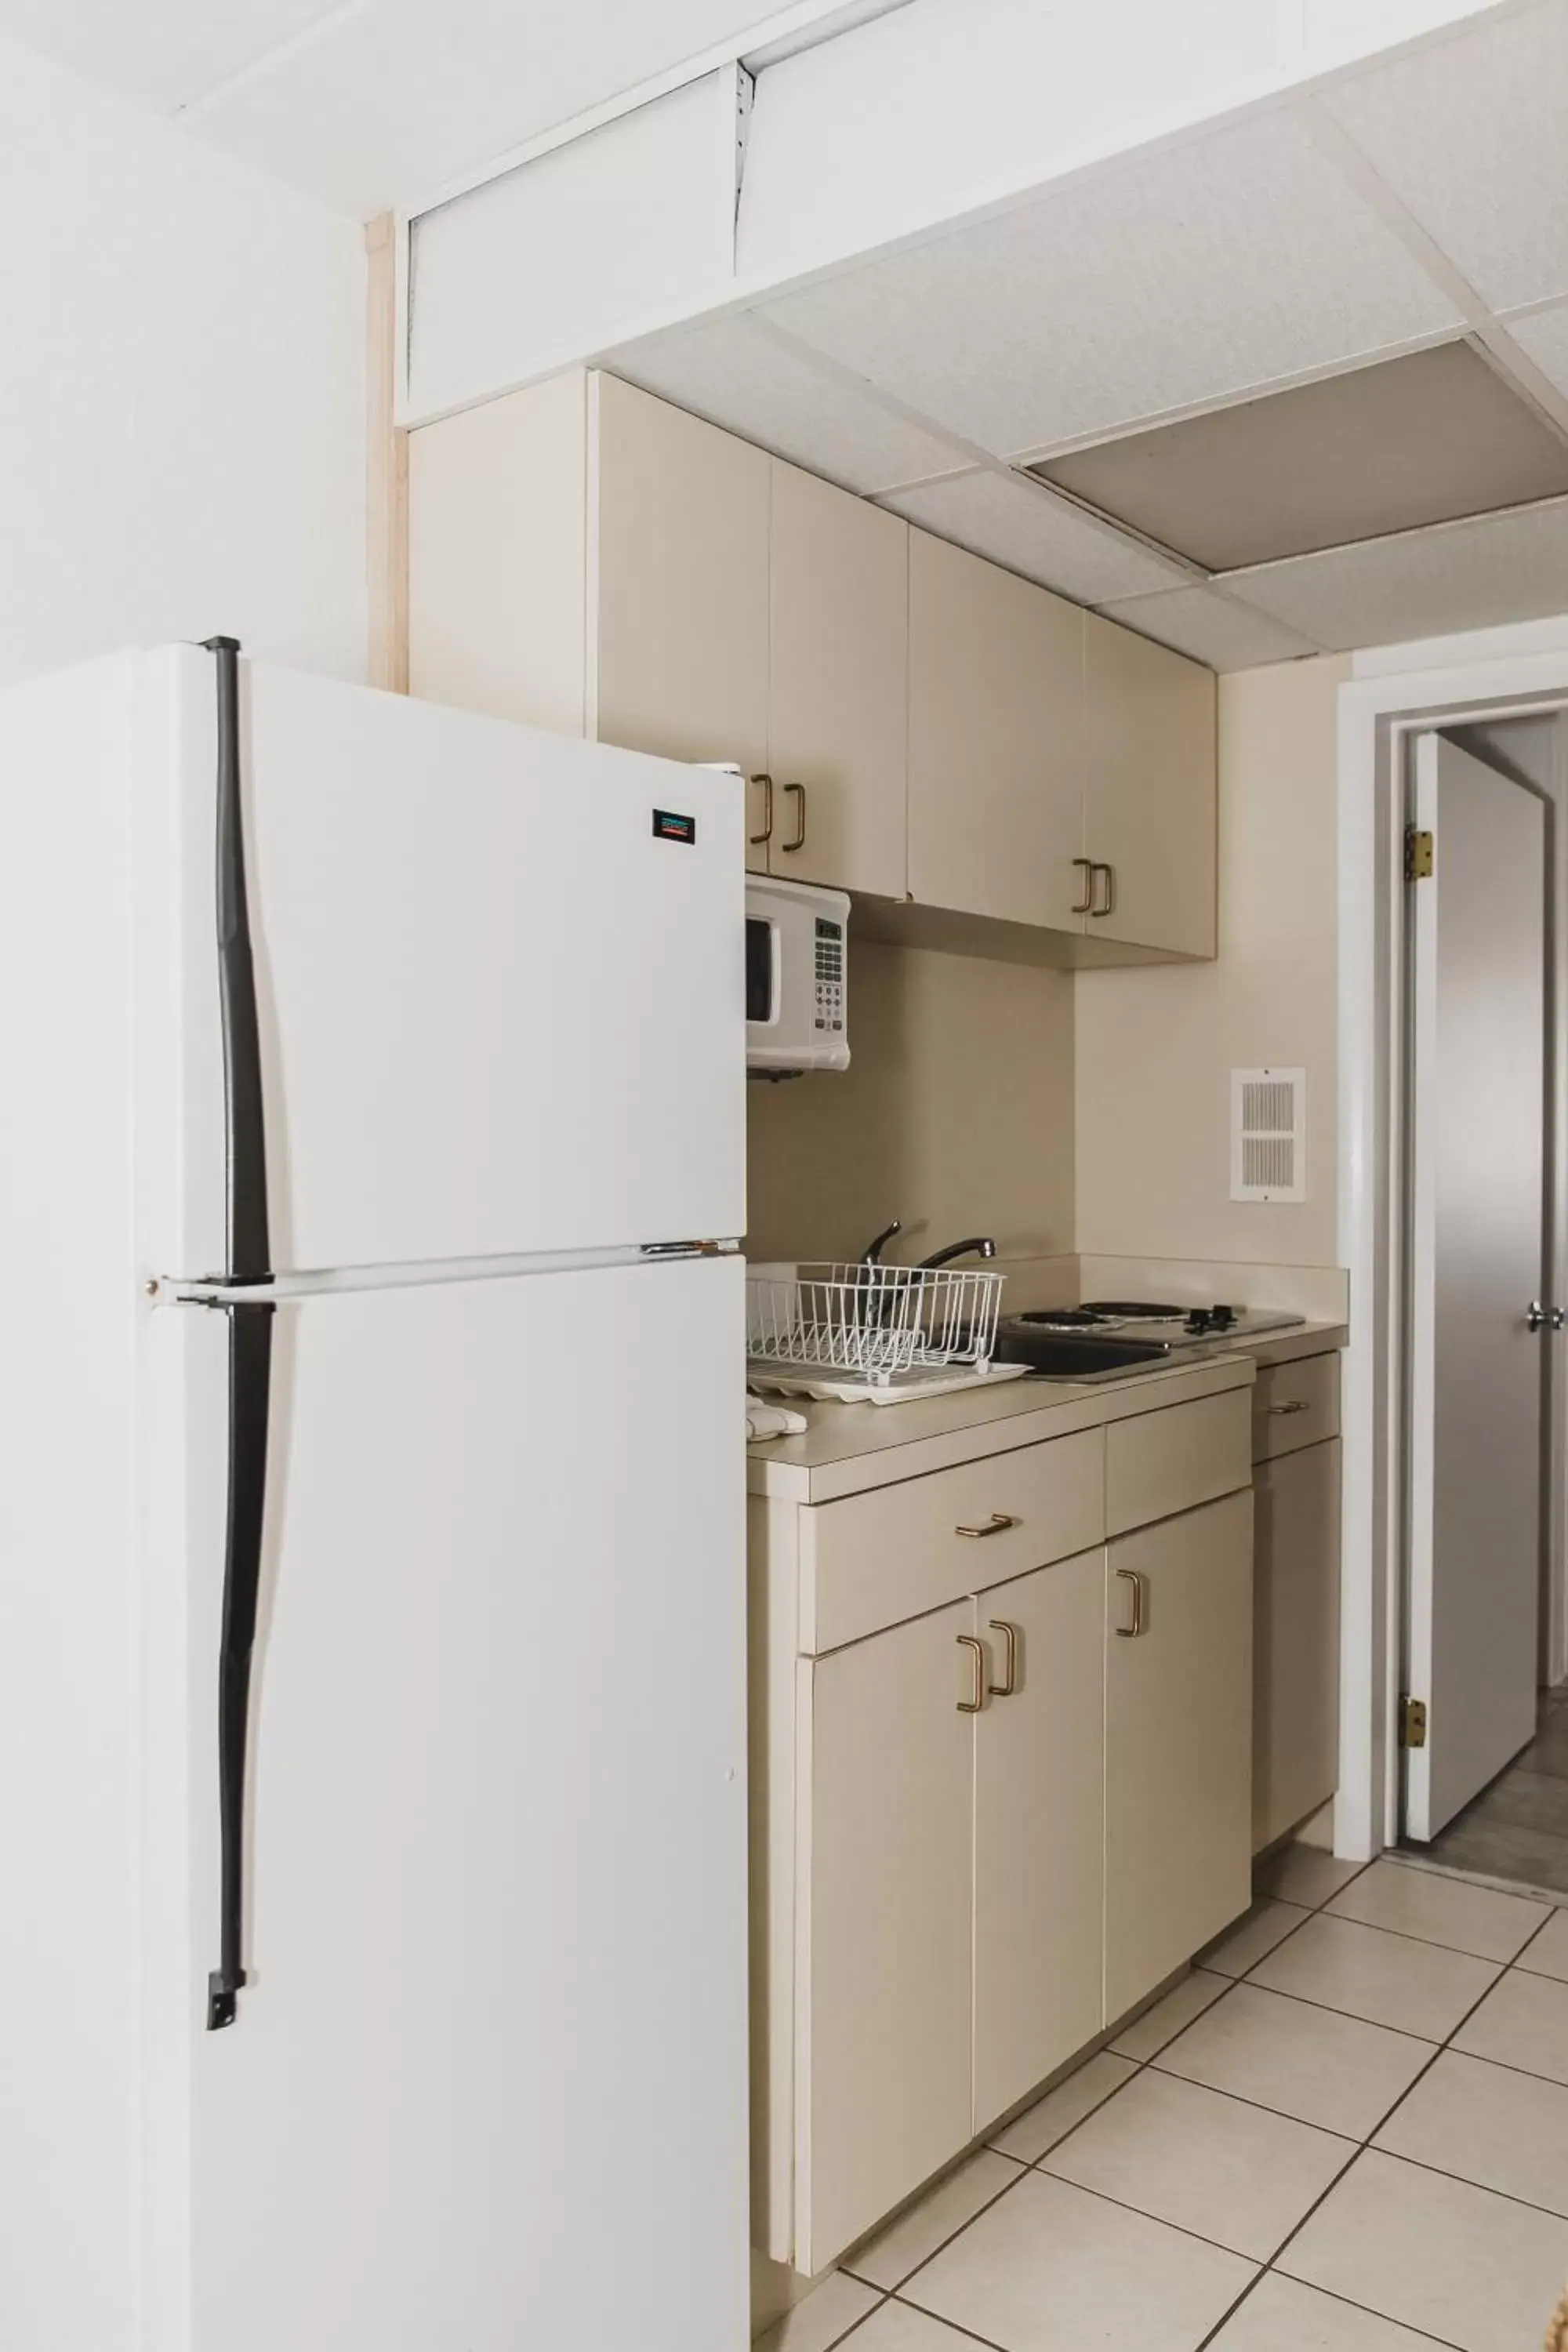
x: 1394, y: 695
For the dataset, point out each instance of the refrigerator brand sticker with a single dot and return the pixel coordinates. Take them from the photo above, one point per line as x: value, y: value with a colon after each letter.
x: 668, y: 826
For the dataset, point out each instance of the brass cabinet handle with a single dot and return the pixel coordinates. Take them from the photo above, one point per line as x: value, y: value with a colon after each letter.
x: 1010, y: 1636
x: 977, y: 1654
x: 1109, y: 874
x: 1130, y: 1576
x: 799, y: 841
x: 767, y: 833
x: 1292, y: 1404
x: 1081, y: 906
x: 996, y: 1525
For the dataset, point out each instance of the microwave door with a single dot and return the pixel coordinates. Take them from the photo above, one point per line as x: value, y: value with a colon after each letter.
x: 763, y: 972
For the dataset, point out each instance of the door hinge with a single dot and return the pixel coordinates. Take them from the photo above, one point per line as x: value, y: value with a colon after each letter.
x: 1419, y: 855
x: 1413, y: 1723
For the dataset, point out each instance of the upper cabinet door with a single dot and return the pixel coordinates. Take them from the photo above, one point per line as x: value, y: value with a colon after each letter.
x: 995, y: 741
x: 839, y: 698
x: 1150, y: 792
x: 677, y: 545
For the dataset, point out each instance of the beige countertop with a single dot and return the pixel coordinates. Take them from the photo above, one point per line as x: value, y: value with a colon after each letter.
x: 850, y: 1447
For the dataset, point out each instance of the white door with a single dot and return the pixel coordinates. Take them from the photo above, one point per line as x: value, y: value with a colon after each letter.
x: 486, y: 2084
x: 501, y: 1008
x: 1477, y: 1116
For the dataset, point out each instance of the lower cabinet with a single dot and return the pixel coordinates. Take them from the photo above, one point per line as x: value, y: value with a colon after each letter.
x: 1296, y: 1639
x: 1178, y: 1742
x: 1039, y: 1836
x: 884, y: 1994
x: 984, y: 1832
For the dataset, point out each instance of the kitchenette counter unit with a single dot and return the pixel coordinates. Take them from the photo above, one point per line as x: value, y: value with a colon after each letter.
x: 850, y: 1448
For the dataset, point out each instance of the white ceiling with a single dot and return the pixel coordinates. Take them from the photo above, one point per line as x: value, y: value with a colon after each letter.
x: 1432, y: 202
x: 373, y: 103
x: 1415, y: 197
x: 1186, y: 275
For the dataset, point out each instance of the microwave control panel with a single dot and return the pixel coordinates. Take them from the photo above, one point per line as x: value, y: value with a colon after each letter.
x: 830, y: 976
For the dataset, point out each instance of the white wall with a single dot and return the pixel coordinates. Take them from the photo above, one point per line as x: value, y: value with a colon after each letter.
x: 1155, y: 1045
x: 182, y: 445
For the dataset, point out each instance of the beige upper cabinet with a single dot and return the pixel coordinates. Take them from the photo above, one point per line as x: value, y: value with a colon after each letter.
x: 1150, y: 792
x: 1039, y: 1828
x: 587, y: 557
x: 839, y: 688
x: 1178, y: 1743
x: 884, y: 1858
x: 679, y: 589
x: 996, y: 740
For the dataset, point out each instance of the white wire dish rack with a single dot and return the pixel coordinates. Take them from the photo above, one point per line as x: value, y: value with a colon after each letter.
x: 877, y: 1331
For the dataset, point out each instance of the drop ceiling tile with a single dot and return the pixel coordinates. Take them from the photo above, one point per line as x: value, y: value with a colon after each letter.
x: 1210, y: 628
x: 1184, y: 276
x: 1469, y: 131
x: 1030, y: 531
x: 1426, y: 584
x: 1543, y: 337
x: 167, y: 54
x: 1426, y: 438
x: 775, y: 392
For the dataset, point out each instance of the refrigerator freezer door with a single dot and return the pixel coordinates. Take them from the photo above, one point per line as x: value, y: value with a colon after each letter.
x: 487, y: 2086
x: 499, y: 973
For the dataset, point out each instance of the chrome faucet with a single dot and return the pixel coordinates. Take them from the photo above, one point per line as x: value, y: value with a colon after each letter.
x: 977, y: 1245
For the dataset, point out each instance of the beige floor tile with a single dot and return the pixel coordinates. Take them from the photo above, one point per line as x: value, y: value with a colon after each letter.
x: 1050, y: 2267
x: 1266, y: 1924
x: 900, y: 2328
x: 1548, y: 1955
x: 1304, y: 1873
x: 1417, y: 1987
x: 1051, y: 2119
x: 1150, y: 2032
x: 1488, y: 2124
x: 1471, y: 2268
x: 1440, y: 1910
x: 1280, y: 2314
x: 1316, y: 2065
x: 907, y: 2243
x: 1523, y: 2022
x: 829, y: 2312
x: 1227, y: 2171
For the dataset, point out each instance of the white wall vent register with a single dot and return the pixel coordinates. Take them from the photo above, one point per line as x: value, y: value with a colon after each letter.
x: 1269, y: 1135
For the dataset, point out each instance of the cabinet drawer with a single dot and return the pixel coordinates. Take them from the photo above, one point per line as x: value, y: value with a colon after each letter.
x: 1295, y: 1406
x: 877, y: 1558
x: 1162, y: 1463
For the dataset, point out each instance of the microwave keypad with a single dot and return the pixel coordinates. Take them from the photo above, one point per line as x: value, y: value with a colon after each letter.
x: 829, y: 976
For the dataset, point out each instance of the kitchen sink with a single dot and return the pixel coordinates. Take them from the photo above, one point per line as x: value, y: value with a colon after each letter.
x: 1055, y: 1356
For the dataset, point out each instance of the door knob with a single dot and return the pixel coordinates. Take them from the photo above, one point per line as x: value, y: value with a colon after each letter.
x: 1545, y: 1318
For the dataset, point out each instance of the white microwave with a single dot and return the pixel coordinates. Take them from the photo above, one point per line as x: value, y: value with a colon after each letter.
x: 798, y: 990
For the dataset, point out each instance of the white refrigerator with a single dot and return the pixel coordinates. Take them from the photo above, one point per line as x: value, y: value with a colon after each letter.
x: 371, y: 1610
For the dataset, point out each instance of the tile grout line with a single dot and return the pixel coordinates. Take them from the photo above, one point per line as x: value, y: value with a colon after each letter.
x: 1146, y: 2066
x: 1272, y: 2265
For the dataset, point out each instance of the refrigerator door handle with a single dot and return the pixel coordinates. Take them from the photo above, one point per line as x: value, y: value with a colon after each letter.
x: 249, y: 1263
x: 249, y: 1399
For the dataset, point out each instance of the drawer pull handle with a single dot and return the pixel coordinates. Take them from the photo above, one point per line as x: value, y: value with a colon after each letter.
x: 972, y: 1705
x: 1291, y: 1404
x: 1010, y: 1637
x: 996, y: 1525
x: 1130, y: 1576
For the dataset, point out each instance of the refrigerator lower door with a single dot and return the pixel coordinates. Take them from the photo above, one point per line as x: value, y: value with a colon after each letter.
x: 486, y: 2084
x: 498, y: 977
